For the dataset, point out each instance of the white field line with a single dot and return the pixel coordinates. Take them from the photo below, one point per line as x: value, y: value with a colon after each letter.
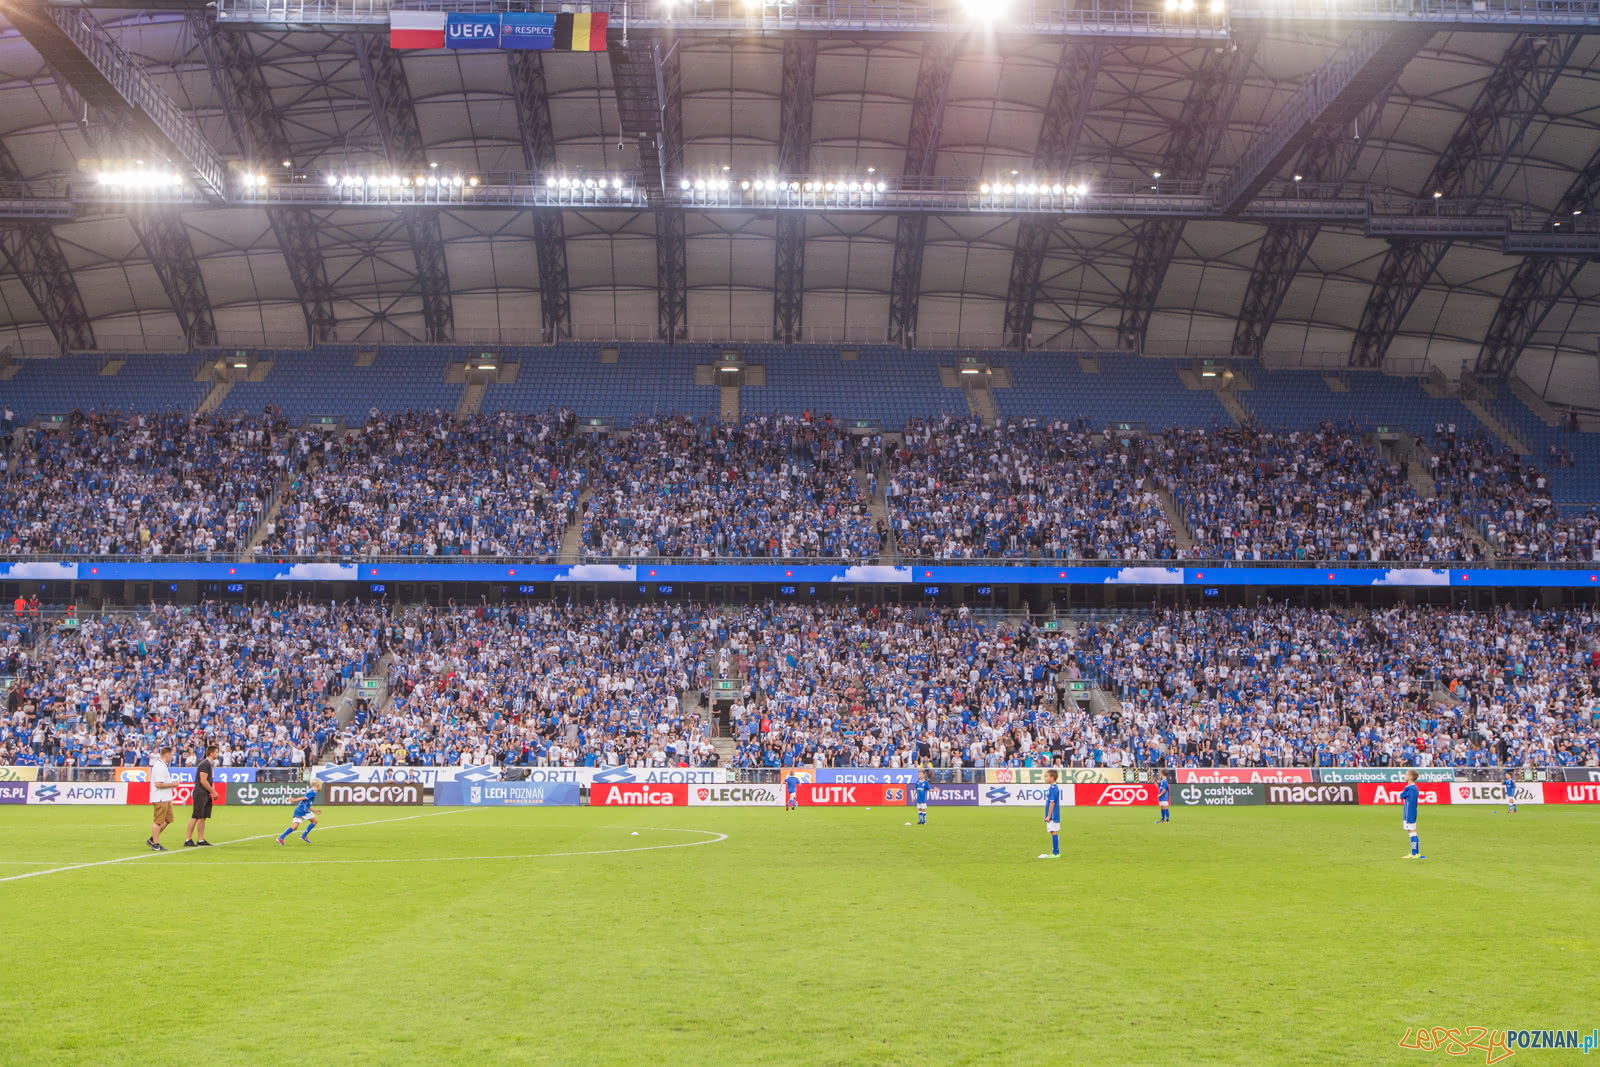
x: 220, y: 844
x: 712, y: 838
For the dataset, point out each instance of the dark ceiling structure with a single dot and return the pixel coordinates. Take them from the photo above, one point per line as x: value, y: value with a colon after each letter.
x: 1389, y: 189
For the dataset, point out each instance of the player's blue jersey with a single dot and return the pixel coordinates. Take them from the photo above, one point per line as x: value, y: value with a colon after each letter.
x: 1163, y: 790
x: 302, y: 809
x: 1510, y: 785
x: 922, y: 791
x: 792, y: 784
x: 1409, y: 796
x: 1052, y: 803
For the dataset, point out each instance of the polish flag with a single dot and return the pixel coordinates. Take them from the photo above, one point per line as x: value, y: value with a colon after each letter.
x: 416, y: 29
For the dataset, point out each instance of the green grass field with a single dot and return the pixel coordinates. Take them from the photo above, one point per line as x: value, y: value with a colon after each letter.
x: 1266, y: 935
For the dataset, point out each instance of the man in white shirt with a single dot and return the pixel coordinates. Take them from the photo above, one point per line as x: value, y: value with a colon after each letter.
x: 160, y: 797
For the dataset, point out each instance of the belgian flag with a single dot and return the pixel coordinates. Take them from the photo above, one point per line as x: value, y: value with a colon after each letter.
x: 581, y: 32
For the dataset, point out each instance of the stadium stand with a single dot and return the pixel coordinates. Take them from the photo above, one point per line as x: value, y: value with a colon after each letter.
x: 144, y: 384
x: 838, y: 685
x: 1145, y: 392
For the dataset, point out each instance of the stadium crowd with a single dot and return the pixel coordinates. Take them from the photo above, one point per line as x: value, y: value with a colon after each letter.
x: 430, y: 485
x: 1509, y: 500
x: 426, y: 484
x: 1020, y: 490
x: 1324, y: 494
x: 254, y: 680
x: 1301, y: 686
x: 539, y: 683
x: 607, y: 684
x: 150, y: 485
x: 778, y: 486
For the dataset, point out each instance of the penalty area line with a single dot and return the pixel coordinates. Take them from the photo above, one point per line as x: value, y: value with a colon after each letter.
x: 220, y: 844
x: 712, y: 837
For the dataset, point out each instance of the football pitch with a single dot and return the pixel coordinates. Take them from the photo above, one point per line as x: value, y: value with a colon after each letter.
x: 743, y: 936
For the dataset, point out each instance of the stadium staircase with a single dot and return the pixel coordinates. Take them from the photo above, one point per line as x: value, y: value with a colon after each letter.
x: 1535, y: 403
x: 1104, y: 702
x: 728, y: 403
x: 571, y: 550
x: 471, y: 401
x: 268, y: 515
x: 980, y: 402
x: 878, y: 508
x: 1181, y: 534
x: 1473, y: 393
x: 214, y: 397
x: 1231, y: 404
x: 1419, y: 464
x: 344, y: 705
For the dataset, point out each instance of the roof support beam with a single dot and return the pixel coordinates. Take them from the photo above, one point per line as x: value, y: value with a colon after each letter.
x: 648, y: 83
x: 34, y: 253
x: 1539, y: 283
x: 85, y: 57
x: 395, y: 117
x: 1329, y: 157
x: 794, y: 157
x: 1335, y: 93
x: 160, y: 229
x: 922, y: 153
x: 1064, y: 112
x: 1488, y: 136
x: 1200, y: 129
x: 549, y: 228
x: 257, y: 124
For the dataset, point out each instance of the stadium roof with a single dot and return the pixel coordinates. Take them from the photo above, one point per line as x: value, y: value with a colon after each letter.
x: 1504, y: 125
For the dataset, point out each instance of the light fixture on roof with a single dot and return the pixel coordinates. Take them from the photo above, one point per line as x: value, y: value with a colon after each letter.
x: 240, y: 364
x: 984, y: 10
x: 1298, y: 177
x: 1217, y: 7
x: 1156, y: 174
x: 1437, y: 194
x: 970, y: 370
x: 1579, y: 211
x: 288, y: 163
x: 333, y: 180
x: 729, y: 368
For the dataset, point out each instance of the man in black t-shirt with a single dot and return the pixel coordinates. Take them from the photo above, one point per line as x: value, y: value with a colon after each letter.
x: 204, y: 795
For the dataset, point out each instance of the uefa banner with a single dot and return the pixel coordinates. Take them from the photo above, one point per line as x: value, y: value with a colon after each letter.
x: 1340, y: 775
x: 507, y: 794
x: 1021, y: 796
x: 1247, y: 775
x: 1495, y: 793
x: 1571, y: 793
x: 736, y: 796
x: 1389, y: 793
x: 77, y: 793
x: 866, y: 795
x: 182, y: 793
x: 1218, y: 794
